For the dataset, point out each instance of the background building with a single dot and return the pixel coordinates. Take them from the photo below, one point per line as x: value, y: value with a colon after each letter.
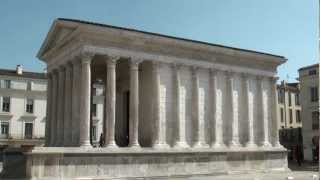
x: 309, y: 81
x: 23, y: 107
x: 289, y: 105
x: 290, y: 115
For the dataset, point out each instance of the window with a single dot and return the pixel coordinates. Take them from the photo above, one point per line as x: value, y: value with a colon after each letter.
x: 290, y: 114
x: 4, y: 133
x: 29, y: 86
x: 94, y: 133
x: 312, y: 72
x: 315, y: 120
x: 298, y: 117
x: 281, y: 114
x: 7, y: 84
x: 314, y: 94
x: 280, y: 96
x: 94, y: 110
x: 29, y: 106
x: 297, y: 99
x: 6, y: 104
x: 94, y: 91
x: 289, y: 97
x: 28, y: 130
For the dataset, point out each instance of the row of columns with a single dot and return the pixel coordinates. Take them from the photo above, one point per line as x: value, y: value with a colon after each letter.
x: 68, y: 114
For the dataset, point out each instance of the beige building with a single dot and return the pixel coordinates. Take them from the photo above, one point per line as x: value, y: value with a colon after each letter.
x: 23, y: 101
x: 309, y: 82
x: 289, y: 105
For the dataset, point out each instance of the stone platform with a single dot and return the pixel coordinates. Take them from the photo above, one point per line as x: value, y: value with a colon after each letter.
x: 105, y: 163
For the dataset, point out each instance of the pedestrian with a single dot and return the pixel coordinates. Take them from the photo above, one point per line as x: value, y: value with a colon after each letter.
x: 101, y: 140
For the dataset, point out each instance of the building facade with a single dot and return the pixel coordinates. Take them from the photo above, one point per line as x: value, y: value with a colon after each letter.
x: 309, y: 81
x: 172, y: 106
x: 289, y: 105
x: 23, y: 108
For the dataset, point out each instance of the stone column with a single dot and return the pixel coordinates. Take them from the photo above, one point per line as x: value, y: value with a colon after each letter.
x: 85, y: 100
x: 264, y: 113
x: 49, y: 111
x: 181, y: 141
x: 275, y: 109
x: 159, y: 134
x: 217, y: 103
x: 54, y: 106
x: 199, y: 140
x: 234, y: 107
x: 249, y: 110
x: 110, y: 103
x: 134, y: 103
x: 68, y: 107
x: 60, y: 110
x: 76, y: 87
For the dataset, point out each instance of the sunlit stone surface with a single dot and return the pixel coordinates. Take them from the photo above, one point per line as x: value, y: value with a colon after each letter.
x: 172, y: 106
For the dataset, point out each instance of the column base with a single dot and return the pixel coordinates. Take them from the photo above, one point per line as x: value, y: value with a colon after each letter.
x: 266, y: 144
x: 251, y: 144
x: 218, y: 145
x: 181, y: 144
x: 160, y: 146
x: 135, y: 145
x: 234, y: 144
x: 278, y: 145
x: 111, y: 144
x: 200, y: 144
x: 86, y: 144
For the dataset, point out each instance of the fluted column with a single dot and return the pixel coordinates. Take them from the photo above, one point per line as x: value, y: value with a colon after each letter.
x: 76, y: 86
x: 111, y: 102
x: 68, y: 107
x: 265, y: 142
x: 217, y: 110
x: 275, y: 109
x: 49, y: 111
x: 181, y: 141
x: 199, y: 140
x: 54, y: 107
x: 249, y: 110
x: 159, y: 139
x: 234, y: 106
x: 134, y: 103
x: 85, y: 100
x: 61, y: 105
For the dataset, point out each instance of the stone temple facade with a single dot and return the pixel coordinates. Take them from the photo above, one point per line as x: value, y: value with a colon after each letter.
x: 172, y: 106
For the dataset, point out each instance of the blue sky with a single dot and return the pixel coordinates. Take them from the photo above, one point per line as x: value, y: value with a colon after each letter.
x: 284, y: 27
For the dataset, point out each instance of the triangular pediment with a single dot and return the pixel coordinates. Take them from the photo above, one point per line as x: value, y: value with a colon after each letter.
x: 58, y: 32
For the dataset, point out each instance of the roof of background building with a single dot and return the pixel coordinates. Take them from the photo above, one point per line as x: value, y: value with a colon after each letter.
x: 166, y: 36
x: 309, y: 67
x: 26, y: 74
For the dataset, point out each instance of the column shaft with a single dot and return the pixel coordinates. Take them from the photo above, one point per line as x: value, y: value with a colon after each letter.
x: 181, y: 141
x: 68, y: 107
x: 217, y: 110
x: 134, y: 104
x: 264, y: 112
x: 250, y: 112
x: 76, y: 87
x: 199, y: 140
x: 49, y: 111
x: 159, y: 139
x: 85, y: 100
x: 275, y: 109
x: 54, y: 108
x: 234, y: 105
x: 60, y: 110
x: 111, y: 102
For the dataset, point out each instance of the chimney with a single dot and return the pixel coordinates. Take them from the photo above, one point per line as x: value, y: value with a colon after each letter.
x: 19, y: 69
